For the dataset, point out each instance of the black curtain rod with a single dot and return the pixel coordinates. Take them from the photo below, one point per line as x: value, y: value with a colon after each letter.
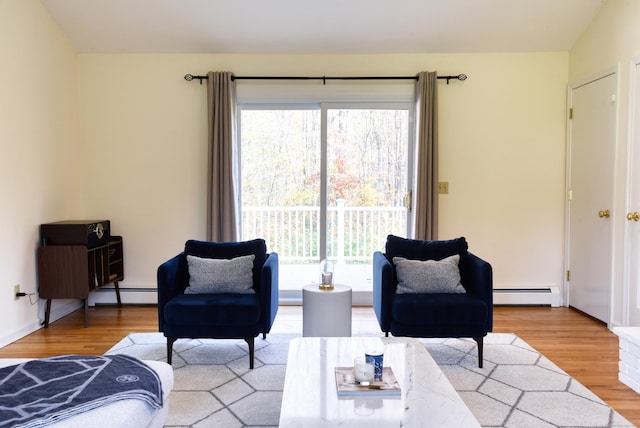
x: 461, y: 77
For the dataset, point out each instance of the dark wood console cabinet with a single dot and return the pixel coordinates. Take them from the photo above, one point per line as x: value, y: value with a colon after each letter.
x: 72, y: 271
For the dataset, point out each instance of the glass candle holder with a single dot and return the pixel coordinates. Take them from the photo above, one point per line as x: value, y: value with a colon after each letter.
x: 363, y: 371
x: 326, y: 274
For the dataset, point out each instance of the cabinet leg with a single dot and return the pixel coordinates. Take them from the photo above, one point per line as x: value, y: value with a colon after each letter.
x: 86, y: 312
x: 47, y: 312
x: 117, y: 286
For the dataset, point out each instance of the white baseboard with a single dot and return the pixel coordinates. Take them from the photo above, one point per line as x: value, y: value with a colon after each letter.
x: 19, y: 334
x: 59, y: 309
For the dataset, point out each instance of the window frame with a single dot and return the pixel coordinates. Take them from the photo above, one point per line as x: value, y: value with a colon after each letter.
x: 287, y: 95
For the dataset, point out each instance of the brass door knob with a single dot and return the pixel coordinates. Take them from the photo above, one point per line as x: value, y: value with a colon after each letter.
x: 633, y: 216
x: 604, y: 213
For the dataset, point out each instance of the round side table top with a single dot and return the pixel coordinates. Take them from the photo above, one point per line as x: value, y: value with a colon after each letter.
x: 337, y: 288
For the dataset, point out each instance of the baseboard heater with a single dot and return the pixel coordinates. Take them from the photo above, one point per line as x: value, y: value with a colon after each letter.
x: 545, y: 296
x: 549, y: 296
x: 130, y: 296
x: 149, y: 296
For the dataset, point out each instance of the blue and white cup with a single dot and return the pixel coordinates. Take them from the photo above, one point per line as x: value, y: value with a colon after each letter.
x: 375, y: 357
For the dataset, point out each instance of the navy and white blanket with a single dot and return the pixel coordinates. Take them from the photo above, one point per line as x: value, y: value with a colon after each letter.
x: 48, y: 390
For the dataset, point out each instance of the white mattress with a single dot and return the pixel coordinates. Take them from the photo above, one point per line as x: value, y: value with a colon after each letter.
x: 122, y: 414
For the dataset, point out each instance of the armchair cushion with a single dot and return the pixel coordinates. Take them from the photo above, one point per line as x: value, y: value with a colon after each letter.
x: 226, y: 310
x: 212, y: 276
x: 439, y: 315
x: 417, y: 249
x: 428, y: 276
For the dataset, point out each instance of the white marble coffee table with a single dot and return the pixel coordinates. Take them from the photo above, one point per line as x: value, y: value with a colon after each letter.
x: 310, y: 398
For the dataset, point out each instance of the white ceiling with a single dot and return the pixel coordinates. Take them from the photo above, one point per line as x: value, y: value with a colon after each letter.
x: 322, y: 26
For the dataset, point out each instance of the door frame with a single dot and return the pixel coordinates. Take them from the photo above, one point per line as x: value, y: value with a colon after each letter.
x: 633, y: 134
x: 615, y: 70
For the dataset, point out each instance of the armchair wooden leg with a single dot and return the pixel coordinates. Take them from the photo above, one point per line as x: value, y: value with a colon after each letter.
x: 264, y: 336
x: 479, y: 341
x: 249, y: 341
x: 170, y: 341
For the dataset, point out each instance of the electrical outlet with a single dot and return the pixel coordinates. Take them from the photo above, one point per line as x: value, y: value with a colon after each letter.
x: 443, y: 187
x: 16, y: 290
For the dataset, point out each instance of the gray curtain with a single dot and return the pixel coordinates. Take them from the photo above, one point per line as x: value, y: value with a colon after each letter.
x: 426, y: 189
x: 222, y: 224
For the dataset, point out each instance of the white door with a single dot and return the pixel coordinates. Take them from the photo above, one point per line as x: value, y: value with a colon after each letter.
x: 591, y: 166
x: 633, y: 208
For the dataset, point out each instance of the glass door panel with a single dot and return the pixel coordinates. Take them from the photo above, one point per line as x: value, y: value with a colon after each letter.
x: 367, y: 159
x: 280, y: 176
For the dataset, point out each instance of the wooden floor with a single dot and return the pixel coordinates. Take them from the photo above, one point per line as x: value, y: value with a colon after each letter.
x: 584, y: 348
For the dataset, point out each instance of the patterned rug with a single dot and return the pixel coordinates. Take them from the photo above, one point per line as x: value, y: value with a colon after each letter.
x: 518, y: 387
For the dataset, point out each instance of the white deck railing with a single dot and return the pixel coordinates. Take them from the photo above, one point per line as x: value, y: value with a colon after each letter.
x: 354, y: 233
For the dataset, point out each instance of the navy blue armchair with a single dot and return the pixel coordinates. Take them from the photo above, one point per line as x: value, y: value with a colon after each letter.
x: 433, y: 314
x: 212, y: 314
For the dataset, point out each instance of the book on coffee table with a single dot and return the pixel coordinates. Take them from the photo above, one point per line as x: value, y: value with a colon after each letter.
x: 347, y: 386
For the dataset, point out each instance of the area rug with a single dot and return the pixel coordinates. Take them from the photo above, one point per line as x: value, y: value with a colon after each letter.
x: 517, y: 387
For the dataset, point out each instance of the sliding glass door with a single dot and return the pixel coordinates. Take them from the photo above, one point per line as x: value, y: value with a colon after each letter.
x: 324, y: 181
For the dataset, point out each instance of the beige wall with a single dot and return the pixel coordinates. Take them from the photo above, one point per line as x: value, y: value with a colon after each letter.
x: 123, y: 137
x: 39, y: 149
x: 611, y: 42
x: 502, y: 150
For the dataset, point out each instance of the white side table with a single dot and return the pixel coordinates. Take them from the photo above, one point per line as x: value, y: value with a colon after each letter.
x: 326, y: 313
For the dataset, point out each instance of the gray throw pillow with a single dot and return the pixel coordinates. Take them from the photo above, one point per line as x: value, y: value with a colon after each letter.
x: 215, y: 276
x: 428, y: 276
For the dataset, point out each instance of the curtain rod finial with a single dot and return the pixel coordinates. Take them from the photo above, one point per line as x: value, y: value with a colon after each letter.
x: 190, y: 77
